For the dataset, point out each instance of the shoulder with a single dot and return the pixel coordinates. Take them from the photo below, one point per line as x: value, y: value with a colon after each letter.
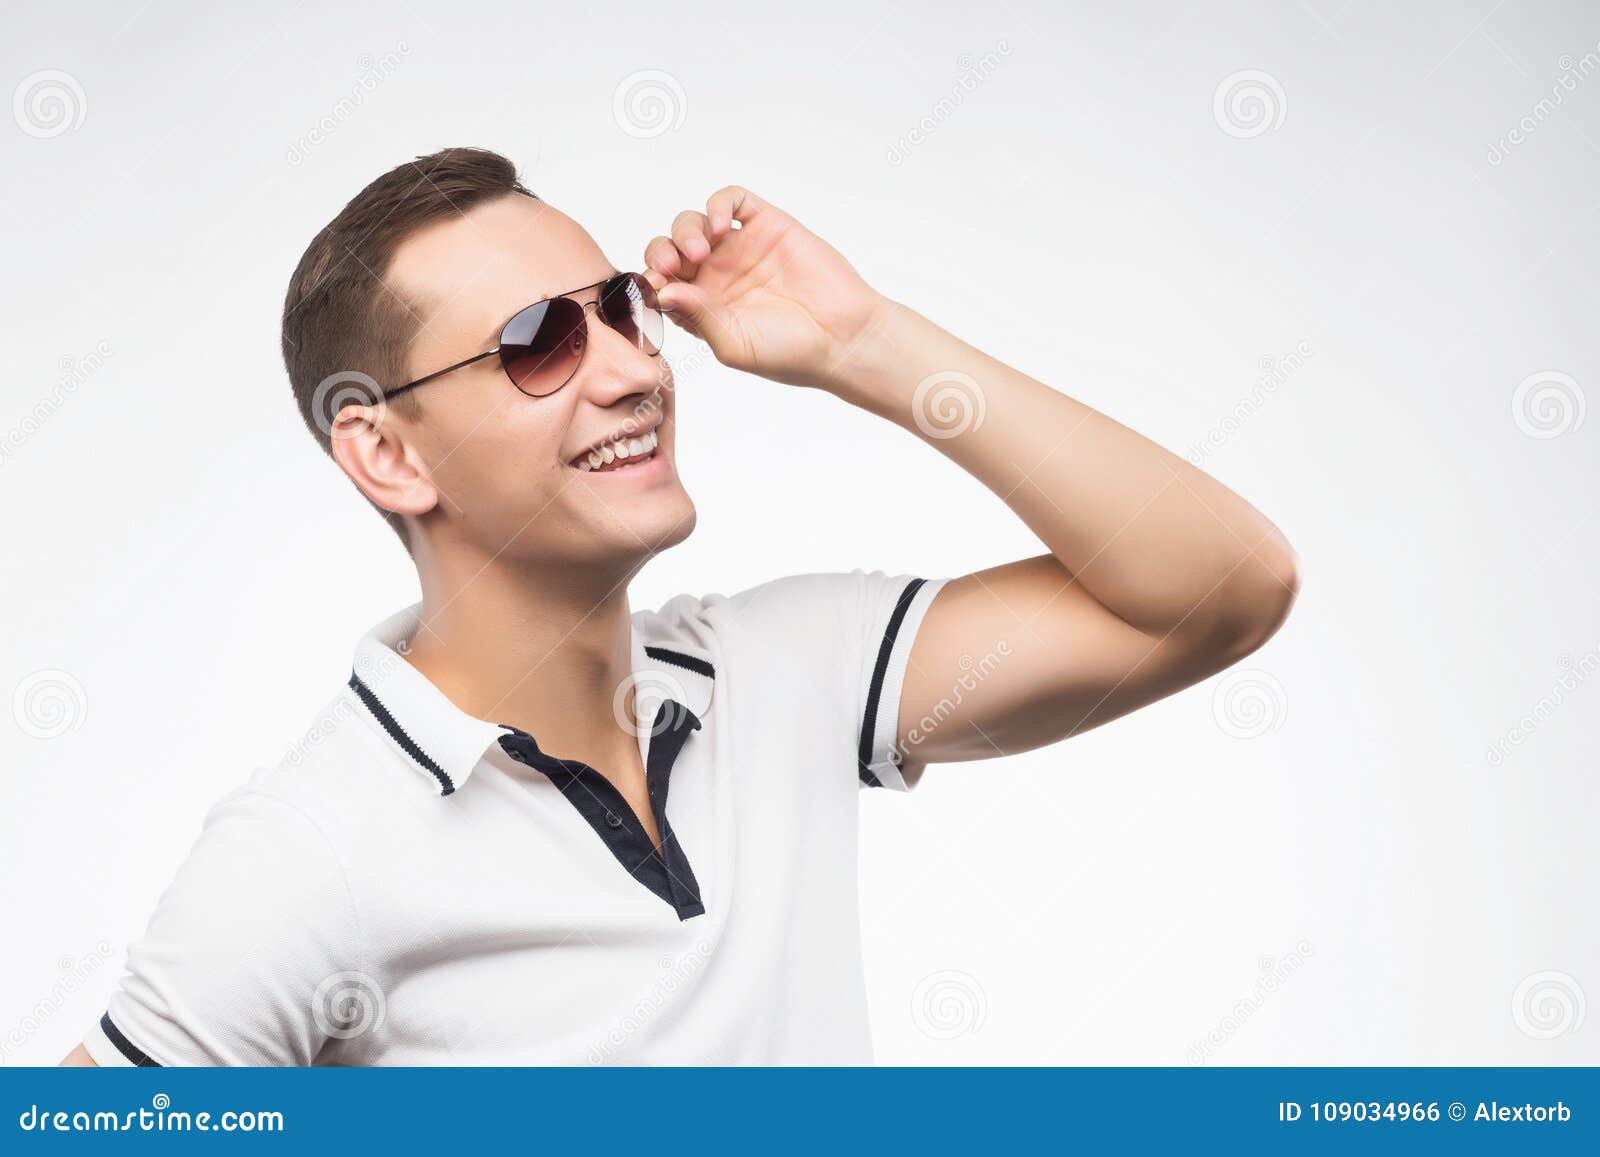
x: 800, y: 608
x: 334, y: 768
x: 814, y: 636
x: 291, y: 828
x: 261, y: 866
x: 702, y: 614
x: 257, y: 915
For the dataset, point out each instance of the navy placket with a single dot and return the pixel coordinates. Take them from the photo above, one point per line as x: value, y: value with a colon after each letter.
x: 666, y: 871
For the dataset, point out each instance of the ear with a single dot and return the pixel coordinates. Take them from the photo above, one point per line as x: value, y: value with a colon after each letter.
x: 370, y: 445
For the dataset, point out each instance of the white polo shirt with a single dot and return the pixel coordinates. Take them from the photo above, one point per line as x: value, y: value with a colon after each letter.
x: 414, y: 886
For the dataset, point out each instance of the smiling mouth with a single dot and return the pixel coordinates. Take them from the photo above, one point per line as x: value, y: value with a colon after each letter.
x: 623, y: 454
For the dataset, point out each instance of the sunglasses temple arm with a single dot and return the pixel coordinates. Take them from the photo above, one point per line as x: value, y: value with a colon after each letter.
x: 441, y: 373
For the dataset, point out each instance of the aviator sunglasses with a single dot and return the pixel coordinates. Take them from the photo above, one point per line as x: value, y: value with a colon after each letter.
x: 541, y: 346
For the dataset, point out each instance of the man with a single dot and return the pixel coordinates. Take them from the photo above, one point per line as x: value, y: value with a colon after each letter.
x: 538, y: 827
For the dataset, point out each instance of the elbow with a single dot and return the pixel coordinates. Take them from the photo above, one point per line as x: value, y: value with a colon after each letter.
x: 1259, y: 599
x: 1279, y: 597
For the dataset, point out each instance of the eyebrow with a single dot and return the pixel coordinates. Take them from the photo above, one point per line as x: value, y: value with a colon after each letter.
x: 493, y: 338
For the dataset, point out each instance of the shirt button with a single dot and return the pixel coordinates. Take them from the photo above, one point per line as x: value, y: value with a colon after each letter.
x: 613, y: 820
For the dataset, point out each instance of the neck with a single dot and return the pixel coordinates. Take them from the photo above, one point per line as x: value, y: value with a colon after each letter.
x: 543, y: 649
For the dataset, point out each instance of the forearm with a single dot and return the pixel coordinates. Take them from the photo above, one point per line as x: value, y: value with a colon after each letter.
x: 1159, y: 543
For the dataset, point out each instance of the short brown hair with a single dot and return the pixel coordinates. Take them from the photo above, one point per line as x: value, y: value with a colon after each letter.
x: 344, y: 329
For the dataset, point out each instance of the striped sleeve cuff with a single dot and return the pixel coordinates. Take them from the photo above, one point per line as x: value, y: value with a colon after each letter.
x: 880, y: 757
x: 110, y: 1049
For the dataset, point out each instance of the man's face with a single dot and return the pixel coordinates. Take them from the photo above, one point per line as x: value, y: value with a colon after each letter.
x: 502, y: 464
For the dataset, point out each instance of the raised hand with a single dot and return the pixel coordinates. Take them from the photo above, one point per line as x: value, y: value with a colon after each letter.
x: 768, y: 295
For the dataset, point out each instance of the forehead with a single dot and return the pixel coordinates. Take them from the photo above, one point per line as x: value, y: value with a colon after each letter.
x: 474, y: 269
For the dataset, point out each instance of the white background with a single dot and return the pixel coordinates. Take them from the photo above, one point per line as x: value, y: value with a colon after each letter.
x: 1330, y: 819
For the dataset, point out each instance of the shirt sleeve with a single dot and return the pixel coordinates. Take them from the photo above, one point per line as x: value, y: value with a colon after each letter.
x: 853, y: 631
x: 256, y: 929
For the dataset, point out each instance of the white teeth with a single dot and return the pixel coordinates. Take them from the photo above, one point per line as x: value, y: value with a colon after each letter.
x: 622, y: 448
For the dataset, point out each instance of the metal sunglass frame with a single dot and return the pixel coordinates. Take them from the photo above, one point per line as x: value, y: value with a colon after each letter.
x: 476, y: 358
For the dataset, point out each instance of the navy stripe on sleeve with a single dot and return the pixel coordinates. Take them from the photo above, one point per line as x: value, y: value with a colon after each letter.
x: 126, y: 1047
x: 869, y: 721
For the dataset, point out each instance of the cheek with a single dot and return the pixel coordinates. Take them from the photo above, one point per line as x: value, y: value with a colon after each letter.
x: 508, y: 451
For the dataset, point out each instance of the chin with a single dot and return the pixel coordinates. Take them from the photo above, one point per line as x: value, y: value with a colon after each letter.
x: 624, y: 536
x: 660, y: 533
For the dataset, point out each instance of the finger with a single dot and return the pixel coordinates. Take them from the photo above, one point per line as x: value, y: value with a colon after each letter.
x: 689, y: 234
x: 661, y: 257
x: 732, y: 203
x: 689, y: 307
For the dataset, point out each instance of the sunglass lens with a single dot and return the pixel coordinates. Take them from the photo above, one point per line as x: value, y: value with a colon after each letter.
x: 541, y: 346
x: 628, y: 304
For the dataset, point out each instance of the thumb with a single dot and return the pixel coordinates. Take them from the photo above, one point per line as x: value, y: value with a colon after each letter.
x: 689, y: 307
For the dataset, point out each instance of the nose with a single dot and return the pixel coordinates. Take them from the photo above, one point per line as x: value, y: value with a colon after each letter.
x: 613, y: 368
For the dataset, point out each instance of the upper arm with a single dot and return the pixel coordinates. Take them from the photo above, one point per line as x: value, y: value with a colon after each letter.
x: 78, y: 1058
x: 1021, y: 655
